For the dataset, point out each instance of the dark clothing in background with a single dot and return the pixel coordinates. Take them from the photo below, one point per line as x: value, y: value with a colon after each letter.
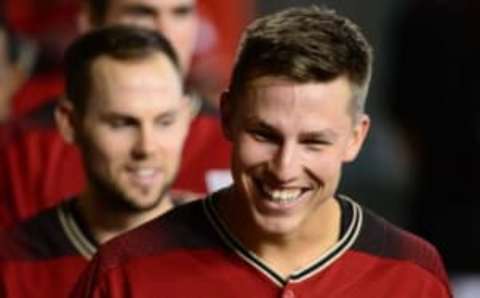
x: 436, y: 101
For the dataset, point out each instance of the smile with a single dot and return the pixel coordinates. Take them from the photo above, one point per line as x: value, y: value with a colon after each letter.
x: 145, y: 173
x: 144, y: 176
x: 282, y: 196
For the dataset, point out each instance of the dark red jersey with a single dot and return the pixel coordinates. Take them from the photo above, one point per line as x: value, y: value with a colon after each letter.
x: 189, y: 252
x: 44, y: 256
x: 35, y: 92
x: 38, y: 169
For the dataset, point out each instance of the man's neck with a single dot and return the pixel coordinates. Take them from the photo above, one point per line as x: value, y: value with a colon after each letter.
x: 105, y: 223
x: 286, y: 254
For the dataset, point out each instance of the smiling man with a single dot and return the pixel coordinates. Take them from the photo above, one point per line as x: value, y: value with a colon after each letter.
x: 126, y: 110
x: 294, y: 113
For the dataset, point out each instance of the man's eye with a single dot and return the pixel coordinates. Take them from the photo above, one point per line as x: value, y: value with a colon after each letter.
x: 184, y: 11
x: 166, y: 122
x: 261, y: 136
x: 119, y: 123
x: 315, y: 144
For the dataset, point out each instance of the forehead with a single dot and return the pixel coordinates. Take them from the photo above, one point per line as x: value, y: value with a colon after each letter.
x: 115, y: 81
x: 154, y: 4
x: 287, y: 93
x: 282, y: 102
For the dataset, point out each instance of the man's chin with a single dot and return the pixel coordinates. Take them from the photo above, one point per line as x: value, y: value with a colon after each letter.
x: 136, y: 204
x: 129, y: 199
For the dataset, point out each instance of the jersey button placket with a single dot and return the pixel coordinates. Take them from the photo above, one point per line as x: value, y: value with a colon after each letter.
x: 288, y: 293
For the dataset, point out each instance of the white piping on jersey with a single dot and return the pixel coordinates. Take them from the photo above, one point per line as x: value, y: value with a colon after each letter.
x: 331, y: 255
x: 234, y: 244
x: 74, y: 233
x: 321, y: 263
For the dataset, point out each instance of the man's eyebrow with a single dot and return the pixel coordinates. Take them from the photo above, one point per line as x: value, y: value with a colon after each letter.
x: 258, y: 123
x: 113, y: 115
x: 326, y: 134
x: 185, y: 7
x: 139, y: 8
x: 166, y: 114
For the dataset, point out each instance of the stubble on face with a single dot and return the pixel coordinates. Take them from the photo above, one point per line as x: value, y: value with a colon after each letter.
x: 118, y: 200
x: 132, y: 101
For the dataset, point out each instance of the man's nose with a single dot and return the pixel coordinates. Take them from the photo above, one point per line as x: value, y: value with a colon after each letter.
x: 145, y: 143
x: 286, y: 164
x: 163, y: 24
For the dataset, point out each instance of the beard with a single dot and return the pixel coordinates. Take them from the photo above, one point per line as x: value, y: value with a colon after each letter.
x: 118, y: 200
x: 106, y: 190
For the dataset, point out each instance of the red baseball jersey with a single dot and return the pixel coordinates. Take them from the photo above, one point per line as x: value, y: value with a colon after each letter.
x: 44, y: 256
x: 190, y: 252
x: 35, y: 92
x: 38, y: 169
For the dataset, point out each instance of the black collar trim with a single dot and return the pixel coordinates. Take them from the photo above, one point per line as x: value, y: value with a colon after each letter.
x: 354, y: 225
x: 72, y: 229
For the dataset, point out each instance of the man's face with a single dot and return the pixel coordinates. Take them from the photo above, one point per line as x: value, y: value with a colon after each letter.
x: 289, y: 143
x: 133, y: 130
x: 176, y: 19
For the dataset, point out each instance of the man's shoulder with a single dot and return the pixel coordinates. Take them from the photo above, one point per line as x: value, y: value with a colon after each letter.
x: 36, y: 238
x: 38, y: 122
x: 184, y: 228
x: 40, y: 117
x: 382, y: 239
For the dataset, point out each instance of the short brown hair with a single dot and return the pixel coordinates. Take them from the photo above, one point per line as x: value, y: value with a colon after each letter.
x: 98, y: 10
x: 305, y: 44
x: 120, y: 42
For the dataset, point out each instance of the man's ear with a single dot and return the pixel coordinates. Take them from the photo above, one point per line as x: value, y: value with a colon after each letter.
x: 359, y: 134
x: 65, y: 120
x: 226, y: 114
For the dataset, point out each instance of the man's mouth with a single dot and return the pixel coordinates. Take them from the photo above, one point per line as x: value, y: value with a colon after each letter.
x: 143, y: 176
x: 282, y: 195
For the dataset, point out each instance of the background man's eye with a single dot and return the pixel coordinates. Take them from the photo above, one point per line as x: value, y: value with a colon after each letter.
x: 118, y: 123
x: 184, y: 10
x: 315, y: 144
x: 262, y: 136
x: 166, y: 122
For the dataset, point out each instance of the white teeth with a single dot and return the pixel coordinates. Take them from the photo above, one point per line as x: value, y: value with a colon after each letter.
x: 144, y: 172
x: 283, y: 196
